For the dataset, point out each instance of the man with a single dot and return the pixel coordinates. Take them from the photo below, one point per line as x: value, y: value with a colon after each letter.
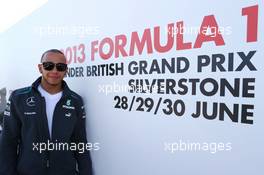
x: 44, y: 124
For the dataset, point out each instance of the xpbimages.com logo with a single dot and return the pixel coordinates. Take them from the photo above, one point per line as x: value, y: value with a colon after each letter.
x: 64, y: 146
x: 187, y: 146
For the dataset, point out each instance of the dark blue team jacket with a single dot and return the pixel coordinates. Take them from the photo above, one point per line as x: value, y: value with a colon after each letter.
x: 25, y: 128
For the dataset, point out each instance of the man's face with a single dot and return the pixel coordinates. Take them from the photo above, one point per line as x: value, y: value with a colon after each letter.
x: 52, y: 77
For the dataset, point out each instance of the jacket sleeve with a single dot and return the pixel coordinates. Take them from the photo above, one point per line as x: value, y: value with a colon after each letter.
x: 9, y: 140
x: 83, y: 158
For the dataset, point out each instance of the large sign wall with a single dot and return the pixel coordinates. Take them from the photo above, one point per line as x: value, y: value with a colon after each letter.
x: 170, y: 87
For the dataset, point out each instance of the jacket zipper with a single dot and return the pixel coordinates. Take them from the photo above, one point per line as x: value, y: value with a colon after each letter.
x: 44, y: 114
x: 48, y: 163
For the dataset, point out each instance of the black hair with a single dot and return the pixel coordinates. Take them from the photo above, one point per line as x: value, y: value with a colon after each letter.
x: 51, y: 51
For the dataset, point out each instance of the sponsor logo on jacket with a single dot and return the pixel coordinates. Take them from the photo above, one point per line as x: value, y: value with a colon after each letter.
x: 68, y: 105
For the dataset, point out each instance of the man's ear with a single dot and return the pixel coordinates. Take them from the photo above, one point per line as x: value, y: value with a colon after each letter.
x: 40, y: 68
